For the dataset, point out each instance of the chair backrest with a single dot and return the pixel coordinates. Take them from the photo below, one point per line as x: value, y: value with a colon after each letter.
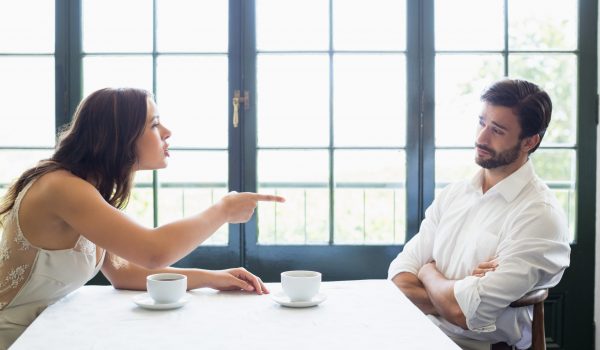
x: 535, y: 298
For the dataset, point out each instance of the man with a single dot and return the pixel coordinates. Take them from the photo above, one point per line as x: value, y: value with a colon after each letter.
x: 486, y: 242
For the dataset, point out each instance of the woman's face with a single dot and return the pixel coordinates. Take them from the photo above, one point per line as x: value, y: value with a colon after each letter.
x: 152, y: 148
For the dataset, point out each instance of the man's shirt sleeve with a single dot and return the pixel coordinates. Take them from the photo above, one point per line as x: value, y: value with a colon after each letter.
x: 419, y: 250
x: 534, y: 255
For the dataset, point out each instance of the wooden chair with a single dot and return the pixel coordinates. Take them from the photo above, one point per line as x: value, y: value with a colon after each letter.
x: 535, y: 298
x: 538, y: 335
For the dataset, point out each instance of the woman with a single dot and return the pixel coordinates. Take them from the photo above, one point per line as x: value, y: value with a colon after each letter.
x: 61, y: 220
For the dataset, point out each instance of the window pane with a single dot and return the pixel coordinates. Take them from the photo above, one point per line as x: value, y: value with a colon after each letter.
x: 284, y: 25
x: 469, y: 25
x: 454, y: 165
x: 27, y: 26
x: 140, y: 206
x: 116, y: 71
x: 14, y: 162
x: 178, y: 202
x: 542, y: 24
x: 557, y: 167
x: 369, y: 100
x: 202, y: 167
x: 302, y: 177
x: 117, y: 26
x: 369, y: 25
x: 27, y: 90
x: 192, y: 25
x: 193, y: 181
x: 557, y: 74
x: 370, y: 197
x: 460, y: 80
x: 192, y: 99
x: 293, y: 100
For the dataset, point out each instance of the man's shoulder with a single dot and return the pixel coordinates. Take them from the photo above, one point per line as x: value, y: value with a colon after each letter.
x: 537, y: 206
x: 537, y: 192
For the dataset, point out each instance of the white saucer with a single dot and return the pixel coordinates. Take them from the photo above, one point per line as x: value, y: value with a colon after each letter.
x: 145, y: 301
x: 282, y: 299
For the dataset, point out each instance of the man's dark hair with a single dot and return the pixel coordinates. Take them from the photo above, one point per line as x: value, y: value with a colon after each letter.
x: 529, y: 102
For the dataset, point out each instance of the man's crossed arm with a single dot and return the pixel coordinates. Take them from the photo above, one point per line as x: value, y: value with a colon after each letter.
x: 433, y: 293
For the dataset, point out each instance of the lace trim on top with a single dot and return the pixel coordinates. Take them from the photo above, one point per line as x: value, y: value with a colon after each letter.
x: 14, y: 245
x: 17, y: 254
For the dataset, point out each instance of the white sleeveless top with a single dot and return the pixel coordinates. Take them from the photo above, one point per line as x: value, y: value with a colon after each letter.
x: 31, y: 278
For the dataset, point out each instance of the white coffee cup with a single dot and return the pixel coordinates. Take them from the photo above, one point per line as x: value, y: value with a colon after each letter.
x: 300, y: 285
x: 166, y: 288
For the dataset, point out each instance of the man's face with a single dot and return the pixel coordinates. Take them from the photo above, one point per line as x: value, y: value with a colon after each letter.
x: 497, y: 142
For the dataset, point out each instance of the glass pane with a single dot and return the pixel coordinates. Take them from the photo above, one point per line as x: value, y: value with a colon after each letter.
x: 14, y: 162
x: 203, y: 168
x: 27, y: 90
x: 284, y: 25
x: 302, y: 177
x: 460, y: 80
x: 370, y: 197
x: 369, y: 25
x: 193, y: 181
x: 192, y: 25
x: 140, y: 206
x: 117, y: 26
x: 293, y: 100
x: 178, y: 202
x: 454, y: 165
x: 558, y: 168
x: 557, y: 74
x: 116, y: 71
x: 192, y: 99
x: 27, y: 26
x: 469, y: 25
x: 542, y: 24
x: 369, y: 100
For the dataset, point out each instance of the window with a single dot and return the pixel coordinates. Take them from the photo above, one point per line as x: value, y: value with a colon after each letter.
x: 27, y: 83
x: 358, y: 111
x: 331, y: 121
x: 177, y: 50
x: 532, y: 40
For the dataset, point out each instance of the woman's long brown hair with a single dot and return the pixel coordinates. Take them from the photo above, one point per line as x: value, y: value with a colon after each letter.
x: 99, y: 146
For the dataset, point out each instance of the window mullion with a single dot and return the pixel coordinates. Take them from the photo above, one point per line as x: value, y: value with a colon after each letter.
x: 420, y: 129
x: 67, y: 59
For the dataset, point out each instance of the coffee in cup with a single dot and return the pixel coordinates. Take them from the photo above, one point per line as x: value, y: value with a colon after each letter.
x: 300, y: 285
x: 166, y: 288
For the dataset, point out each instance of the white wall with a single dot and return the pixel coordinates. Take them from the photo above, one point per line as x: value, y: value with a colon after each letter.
x: 596, y: 288
x: 597, y: 277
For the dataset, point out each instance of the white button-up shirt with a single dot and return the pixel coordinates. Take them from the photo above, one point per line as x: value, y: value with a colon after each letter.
x: 520, y: 222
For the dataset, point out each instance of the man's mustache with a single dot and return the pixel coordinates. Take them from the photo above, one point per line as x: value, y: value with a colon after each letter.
x: 485, y: 148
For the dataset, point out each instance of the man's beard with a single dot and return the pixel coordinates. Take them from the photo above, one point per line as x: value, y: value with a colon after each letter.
x: 498, y: 159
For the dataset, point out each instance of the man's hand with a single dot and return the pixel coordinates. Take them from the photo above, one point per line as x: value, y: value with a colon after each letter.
x: 484, y: 267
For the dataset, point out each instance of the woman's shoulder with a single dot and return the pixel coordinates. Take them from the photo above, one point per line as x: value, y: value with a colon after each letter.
x: 62, y: 181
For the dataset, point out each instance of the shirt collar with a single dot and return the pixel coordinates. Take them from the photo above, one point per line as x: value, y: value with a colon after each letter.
x: 510, y: 186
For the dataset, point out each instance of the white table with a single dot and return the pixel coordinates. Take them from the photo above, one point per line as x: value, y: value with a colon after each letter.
x: 365, y: 314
